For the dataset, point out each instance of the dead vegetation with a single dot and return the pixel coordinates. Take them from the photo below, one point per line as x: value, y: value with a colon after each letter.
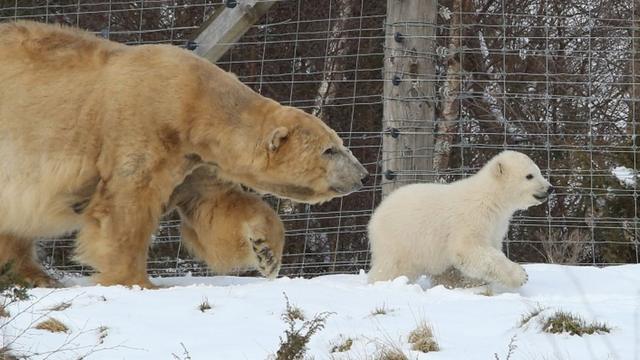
x: 4, y: 312
x: 4, y: 354
x: 298, y: 333
x: 422, y: 339
x: 204, y: 305
x: 343, y: 345
x: 527, y: 317
x: 562, y: 322
x: 52, y: 325
x: 185, y: 354
x: 103, y: 332
x: 511, y: 349
x: 381, y: 310
x: 563, y: 247
x: 565, y: 322
x: 390, y: 353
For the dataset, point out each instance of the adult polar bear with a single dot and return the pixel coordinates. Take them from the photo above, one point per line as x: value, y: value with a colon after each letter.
x: 429, y: 228
x: 95, y: 136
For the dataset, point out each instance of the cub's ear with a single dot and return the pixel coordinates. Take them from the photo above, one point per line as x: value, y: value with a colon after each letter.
x: 277, y: 137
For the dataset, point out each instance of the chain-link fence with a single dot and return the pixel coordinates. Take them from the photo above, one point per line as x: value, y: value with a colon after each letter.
x: 557, y: 80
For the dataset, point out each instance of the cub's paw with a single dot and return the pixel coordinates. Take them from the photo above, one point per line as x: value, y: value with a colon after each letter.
x: 516, y: 276
x: 268, y: 263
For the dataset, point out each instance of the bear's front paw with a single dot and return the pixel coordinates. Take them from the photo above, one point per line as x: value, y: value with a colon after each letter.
x: 517, y: 276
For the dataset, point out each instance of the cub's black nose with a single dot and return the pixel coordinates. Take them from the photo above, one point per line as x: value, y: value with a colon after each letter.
x: 551, y: 190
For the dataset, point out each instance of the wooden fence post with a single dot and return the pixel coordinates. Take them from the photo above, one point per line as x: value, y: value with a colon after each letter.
x: 409, y: 92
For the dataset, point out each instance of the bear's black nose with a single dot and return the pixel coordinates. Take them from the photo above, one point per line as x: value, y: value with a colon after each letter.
x: 551, y: 190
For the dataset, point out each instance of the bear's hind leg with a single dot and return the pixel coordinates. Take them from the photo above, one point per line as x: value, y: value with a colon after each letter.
x: 491, y: 265
x: 21, y: 254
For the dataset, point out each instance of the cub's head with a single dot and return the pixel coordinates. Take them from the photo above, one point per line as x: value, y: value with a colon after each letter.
x: 519, y: 178
x: 300, y: 158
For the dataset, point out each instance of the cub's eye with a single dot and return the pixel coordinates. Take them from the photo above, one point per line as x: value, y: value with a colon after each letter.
x: 330, y: 151
x: 529, y: 176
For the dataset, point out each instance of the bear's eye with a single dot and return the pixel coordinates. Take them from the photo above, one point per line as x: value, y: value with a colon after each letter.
x: 529, y: 176
x: 330, y: 151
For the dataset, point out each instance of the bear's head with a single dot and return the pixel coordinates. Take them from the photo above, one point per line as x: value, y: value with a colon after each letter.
x: 271, y: 148
x: 520, y: 179
x: 307, y: 158
x: 291, y: 154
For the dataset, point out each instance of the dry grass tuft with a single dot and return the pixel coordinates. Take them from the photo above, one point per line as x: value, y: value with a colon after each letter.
x: 52, y: 325
x: 344, y: 345
x: 381, y: 310
x: 390, y: 353
x: 422, y: 339
x: 524, y: 320
x: 204, y: 305
x: 561, y: 322
x: 4, y: 354
x: 103, y: 332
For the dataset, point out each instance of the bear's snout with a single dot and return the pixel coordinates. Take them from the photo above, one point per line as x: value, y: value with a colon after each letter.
x: 347, y: 174
x: 543, y: 196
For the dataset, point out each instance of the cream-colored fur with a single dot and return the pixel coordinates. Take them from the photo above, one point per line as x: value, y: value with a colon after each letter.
x: 227, y: 227
x: 429, y: 228
x: 95, y: 135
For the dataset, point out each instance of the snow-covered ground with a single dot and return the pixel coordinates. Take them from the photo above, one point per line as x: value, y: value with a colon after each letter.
x: 245, y: 320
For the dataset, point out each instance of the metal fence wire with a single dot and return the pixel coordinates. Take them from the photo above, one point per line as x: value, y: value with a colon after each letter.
x: 557, y: 80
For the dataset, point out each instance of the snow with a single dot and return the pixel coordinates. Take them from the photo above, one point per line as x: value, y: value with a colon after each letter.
x: 625, y: 175
x: 245, y: 320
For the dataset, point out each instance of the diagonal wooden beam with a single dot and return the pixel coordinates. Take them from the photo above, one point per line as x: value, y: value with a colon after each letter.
x: 225, y: 27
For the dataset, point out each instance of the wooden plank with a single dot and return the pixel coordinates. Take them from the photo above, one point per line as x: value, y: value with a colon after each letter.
x: 409, y: 93
x: 227, y: 26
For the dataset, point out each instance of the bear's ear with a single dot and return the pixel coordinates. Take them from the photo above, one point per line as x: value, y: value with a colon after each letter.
x: 277, y: 137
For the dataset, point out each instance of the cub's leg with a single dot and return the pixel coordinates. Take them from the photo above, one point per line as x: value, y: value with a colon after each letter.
x: 255, y: 244
x: 120, y: 220
x: 21, y: 253
x: 491, y: 265
x: 388, y: 267
x: 227, y: 227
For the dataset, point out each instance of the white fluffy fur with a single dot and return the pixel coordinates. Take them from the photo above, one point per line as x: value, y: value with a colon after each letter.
x: 428, y: 228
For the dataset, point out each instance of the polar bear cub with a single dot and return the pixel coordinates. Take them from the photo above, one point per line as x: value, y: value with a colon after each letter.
x: 430, y: 228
